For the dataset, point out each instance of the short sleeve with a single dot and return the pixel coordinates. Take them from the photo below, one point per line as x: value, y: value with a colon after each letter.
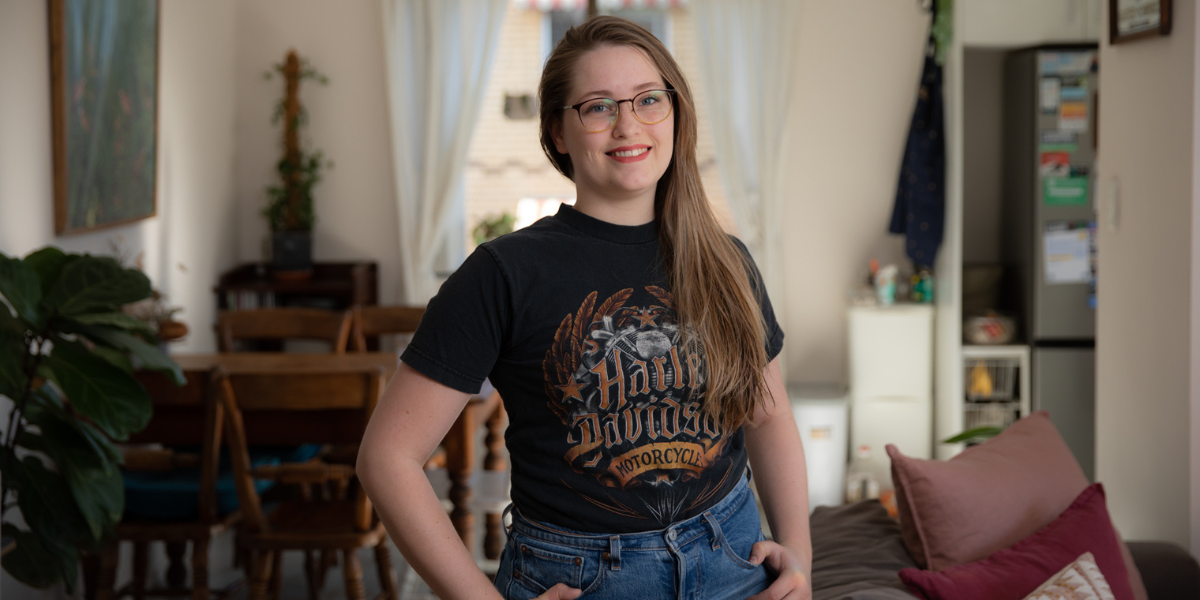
x: 464, y: 327
x: 770, y: 324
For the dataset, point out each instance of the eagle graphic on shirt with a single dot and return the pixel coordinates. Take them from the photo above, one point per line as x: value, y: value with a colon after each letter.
x: 618, y: 378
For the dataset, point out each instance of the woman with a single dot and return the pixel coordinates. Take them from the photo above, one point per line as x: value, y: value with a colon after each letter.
x: 635, y: 349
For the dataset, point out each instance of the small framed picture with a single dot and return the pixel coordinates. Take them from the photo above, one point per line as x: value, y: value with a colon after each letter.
x: 1135, y: 19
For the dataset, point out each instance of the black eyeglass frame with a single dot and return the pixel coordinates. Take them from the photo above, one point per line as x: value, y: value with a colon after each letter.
x: 632, y: 108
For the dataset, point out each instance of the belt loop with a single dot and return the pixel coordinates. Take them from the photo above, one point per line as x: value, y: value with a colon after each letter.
x: 716, y: 529
x: 614, y: 552
x: 506, y: 516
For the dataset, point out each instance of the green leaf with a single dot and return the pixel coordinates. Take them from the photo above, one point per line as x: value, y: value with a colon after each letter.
x: 115, y: 358
x: 12, y: 356
x: 100, y: 497
x: 30, y: 562
x: 110, y: 397
x: 20, y: 286
x: 48, y: 505
x: 979, y: 433
x: 67, y: 440
x: 149, y: 357
x: 96, y: 284
x: 48, y: 263
x: 117, y: 320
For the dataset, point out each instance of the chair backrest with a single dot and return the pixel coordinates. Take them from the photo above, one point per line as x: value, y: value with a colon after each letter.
x: 371, y: 321
x: 295, y: 406
x: 283, y: 324
x: 191, y: 415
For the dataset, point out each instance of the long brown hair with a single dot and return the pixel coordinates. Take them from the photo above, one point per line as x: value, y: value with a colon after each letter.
x: 716, y: 302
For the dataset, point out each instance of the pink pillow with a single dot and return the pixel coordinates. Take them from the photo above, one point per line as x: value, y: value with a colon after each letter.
x: 1013, y: 573
x: 988, y: 497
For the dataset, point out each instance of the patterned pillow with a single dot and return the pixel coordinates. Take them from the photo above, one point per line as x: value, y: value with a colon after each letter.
x: 1080, y: 580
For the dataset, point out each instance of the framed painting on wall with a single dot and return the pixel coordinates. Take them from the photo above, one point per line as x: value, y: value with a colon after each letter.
x: 104, y: 102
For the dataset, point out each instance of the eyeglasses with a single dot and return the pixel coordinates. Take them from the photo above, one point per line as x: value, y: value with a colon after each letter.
x: 600, y: 114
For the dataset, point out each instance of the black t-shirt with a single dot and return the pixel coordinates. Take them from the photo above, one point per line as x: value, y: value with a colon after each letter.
x: 571, y: 320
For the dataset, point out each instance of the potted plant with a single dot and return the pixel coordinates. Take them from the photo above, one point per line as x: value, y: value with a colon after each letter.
x: 289, y: 210
x: 67, y: 356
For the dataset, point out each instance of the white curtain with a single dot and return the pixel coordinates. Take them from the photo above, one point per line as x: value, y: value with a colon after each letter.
x: 747, y: 54
x: 439, y: 55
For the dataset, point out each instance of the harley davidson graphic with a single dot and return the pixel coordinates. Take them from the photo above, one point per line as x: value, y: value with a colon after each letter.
x: 630, y: 397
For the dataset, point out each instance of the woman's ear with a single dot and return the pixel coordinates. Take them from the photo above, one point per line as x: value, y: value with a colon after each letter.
x: 556, y: 135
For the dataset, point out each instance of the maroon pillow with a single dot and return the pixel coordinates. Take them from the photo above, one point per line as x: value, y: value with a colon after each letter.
x: 1013, y: 573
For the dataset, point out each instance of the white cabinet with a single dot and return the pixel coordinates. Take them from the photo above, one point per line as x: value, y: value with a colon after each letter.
x: 1014, y: 23
x: 891, y: 379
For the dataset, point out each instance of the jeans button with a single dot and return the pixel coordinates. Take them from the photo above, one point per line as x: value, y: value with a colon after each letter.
x: 671, y: 534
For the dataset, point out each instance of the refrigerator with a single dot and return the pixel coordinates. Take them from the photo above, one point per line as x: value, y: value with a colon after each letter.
x: 1048, y: 230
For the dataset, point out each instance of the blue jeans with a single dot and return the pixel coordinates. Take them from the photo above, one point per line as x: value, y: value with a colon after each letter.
x: 703, y: 558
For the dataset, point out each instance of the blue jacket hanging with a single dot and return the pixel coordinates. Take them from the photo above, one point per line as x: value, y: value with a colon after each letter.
x: 920, y: 208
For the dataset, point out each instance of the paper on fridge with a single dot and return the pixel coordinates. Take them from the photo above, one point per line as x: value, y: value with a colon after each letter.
x: 1066, y: 256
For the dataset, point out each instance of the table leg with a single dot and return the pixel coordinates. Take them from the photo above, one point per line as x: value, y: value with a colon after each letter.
x: 460, y: 455
x: 493, y: 541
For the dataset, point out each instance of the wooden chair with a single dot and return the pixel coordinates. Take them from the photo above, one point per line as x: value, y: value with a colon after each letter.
x: 278, y: 324
x: 373, y: 321
x: 185, y: 416
x: 294, y: 407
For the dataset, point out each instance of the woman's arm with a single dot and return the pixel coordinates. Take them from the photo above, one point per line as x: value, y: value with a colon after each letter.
x: 777, y: 457
x: 410, y: 421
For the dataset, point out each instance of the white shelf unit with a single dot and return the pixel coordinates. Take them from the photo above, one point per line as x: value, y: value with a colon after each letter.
x: 891, y: 379
x: 995, y: 385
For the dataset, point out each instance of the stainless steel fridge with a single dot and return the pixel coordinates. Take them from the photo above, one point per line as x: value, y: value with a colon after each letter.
x: 1048, y: 227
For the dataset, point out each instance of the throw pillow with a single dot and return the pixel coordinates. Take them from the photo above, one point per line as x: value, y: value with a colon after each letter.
x: 1012, y: 573
x: 1081, y: 579
x: 990, y: 496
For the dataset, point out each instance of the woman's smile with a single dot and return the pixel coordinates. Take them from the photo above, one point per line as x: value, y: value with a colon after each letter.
x: 628, y: 154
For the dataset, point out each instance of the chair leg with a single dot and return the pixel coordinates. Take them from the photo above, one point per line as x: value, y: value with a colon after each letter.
x: 200, y: 569
x: 106, y: 573
x: 387, y: 575
x: 141, y: 565
x: 277, y: 576
x: 352, y: 573
x: 312, y: 564
x: 260, y: 574
x: 176, y: 572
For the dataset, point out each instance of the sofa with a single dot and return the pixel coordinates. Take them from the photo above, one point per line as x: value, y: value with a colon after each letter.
x: 1012, y: 518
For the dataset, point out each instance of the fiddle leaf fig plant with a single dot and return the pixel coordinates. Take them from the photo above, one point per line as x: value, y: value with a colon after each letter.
x: 67, y: 356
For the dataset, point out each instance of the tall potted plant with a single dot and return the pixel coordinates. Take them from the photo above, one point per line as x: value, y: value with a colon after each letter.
x: 67, y: 355
x: 290, y: 207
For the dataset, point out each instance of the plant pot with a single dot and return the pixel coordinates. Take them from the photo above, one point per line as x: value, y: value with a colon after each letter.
x: 291, y: 254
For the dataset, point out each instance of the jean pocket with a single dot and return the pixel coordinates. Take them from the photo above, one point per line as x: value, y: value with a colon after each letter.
x: 738, y: 534
x: 537, y: 565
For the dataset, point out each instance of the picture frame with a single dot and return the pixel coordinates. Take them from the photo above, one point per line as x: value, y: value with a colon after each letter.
x: 1137, y: 19
x: 104, y: 111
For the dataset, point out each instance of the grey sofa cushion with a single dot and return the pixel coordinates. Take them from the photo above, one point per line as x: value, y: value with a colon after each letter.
x: 857, y: 553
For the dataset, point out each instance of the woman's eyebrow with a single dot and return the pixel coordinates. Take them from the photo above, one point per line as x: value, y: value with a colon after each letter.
x: 608, y: 94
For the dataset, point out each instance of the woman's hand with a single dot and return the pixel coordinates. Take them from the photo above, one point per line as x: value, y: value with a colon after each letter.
x: 560, y: 591
x: 791, y: 581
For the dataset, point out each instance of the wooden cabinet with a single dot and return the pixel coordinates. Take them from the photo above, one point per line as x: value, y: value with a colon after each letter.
x: 335, y: 286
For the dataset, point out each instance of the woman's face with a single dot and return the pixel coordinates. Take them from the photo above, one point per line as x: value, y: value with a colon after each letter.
x: 626, y: 161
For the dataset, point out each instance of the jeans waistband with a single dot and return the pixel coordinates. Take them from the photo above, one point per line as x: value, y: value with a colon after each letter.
x: 675, y: 535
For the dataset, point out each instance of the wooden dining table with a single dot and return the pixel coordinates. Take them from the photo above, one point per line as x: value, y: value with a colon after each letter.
x: 459, y: 443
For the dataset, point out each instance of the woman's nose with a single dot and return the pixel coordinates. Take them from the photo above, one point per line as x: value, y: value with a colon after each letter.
x: 625, y: 118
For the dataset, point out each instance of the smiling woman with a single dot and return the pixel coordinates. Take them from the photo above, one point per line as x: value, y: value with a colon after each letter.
x: 635, y: 349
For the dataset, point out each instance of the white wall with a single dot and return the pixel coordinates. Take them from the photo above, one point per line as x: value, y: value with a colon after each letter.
x: 856, y: 85
x: 1143, y: 340
x: 190, y: 242
x: 348, y: 120
x: 1195, y: 372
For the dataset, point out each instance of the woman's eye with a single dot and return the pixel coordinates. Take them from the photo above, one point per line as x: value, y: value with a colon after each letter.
x: 598, y: 108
